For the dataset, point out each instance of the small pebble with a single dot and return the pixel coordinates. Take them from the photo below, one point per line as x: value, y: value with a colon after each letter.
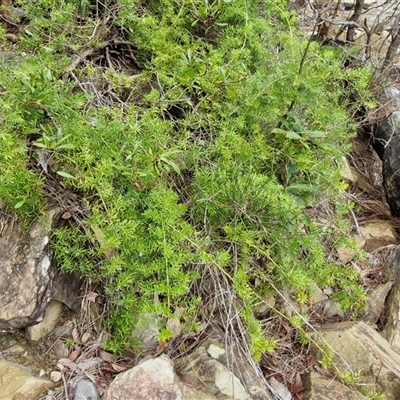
x: 63, y: 331
x: 55, y: 376
x: 15, y: 349
x: 86, y: 390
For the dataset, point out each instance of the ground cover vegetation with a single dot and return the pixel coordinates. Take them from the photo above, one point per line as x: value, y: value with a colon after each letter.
x: 189, y: 143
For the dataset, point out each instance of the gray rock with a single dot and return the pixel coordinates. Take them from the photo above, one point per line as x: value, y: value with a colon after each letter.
x: 49, y: 322
x: 63, y: 331
x: 67, y: 289
x: 26, y: 271
x: 358, y: 347
x: 376, y: 302
x: 317, y: 387
x: 391, y: 330
x: 387, y: 144
x: 378, y: 234
x: 17, y: 382
x: 147, y: 331
x: 224, y: 372
x: 86, y: 390
x: 153, y: 379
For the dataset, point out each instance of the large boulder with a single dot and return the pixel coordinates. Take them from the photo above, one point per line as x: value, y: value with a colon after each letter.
x: 26, y: 272
x: 29, y: 277
x: 317, y: 387
x: 391, y: 330
x: 358, y: 347
x: 387, y: 145
x: 17, y: 382
x: 153, y: 379
x: 225, y: 372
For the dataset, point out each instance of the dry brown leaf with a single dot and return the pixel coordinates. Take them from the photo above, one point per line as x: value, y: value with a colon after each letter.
x: 91, y: 296
x: 108, y: 251
x: 108, y: 357
x: 295, y: 385
x: 118, y: 368
x: 188, y: 381
x: 66, y: 362
x: 66, y: 215
x: 75, y: 335
x: 74, y: 354
x: 161, y: 346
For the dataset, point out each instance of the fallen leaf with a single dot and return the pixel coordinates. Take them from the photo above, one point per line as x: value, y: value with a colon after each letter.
x: 118, y: 368
x: 91, y: 296
x: 311, y: 360
x: 74, y: 354
x: 188, y: 381
x: 108, y: 357
x: 66, y: 215
x: 280, y: 389
x: 161, y: 346
x: 66, y: 362
x: 75, y: 335
x: 295, y: 385
x: 108, y: 250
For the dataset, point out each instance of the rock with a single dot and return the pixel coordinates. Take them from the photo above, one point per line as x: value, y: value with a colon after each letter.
x: 391, y: 330
x: 346, y: 254
x: 50, y: 320
x: 67, y: 289
x: 387, y: 144
x: 317, y: 387
x: 86, y: 390
x: 223, y: 371
x: 13, y: 350
x: 378, y: 234
x: 18, y: 382
x: 349, y: 4
x: 55, y: 376
x: 316, y: 294
x: 280, y: 390
x: 147, y: 331
x: 346, y: 172
x: 60, y: 349
x: 262, y: 308
x: 26, y: 271
x: 359, y: 347
x: 333, y: 309
x: 63, y: 331
x: 376, y: 302
x: 89, y: 363
x: 153, y: 379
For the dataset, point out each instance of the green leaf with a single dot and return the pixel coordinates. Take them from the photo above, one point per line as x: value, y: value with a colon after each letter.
x: 40, y: 144
x: 292, y: 135
x: 69, y: 146
x: 315, y: 134
x: 19, y: 204
x: 65, y: 175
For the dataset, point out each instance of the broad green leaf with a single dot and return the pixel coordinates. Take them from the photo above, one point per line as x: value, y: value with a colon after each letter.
x: 65, y: 175
x: 19, y: 204
x: 66, y: 146
x: 292, y: 135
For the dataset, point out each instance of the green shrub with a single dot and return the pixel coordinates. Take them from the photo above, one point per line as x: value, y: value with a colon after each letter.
x: 213, y: 154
